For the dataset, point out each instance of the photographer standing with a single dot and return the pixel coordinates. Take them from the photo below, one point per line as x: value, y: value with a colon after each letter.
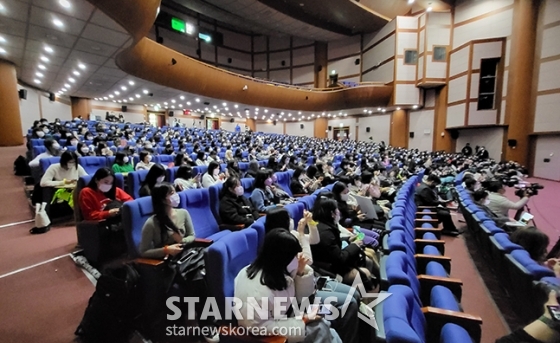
x: 499, y: 203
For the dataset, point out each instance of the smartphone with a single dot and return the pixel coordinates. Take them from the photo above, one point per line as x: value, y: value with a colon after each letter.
x: 325, y: 310
x: 361, y: 236
x: 554, y: 311
x: 321, y: 281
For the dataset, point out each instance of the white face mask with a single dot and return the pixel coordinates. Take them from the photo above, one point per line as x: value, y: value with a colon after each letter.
x: 126, y: 159
x: 56, y: 146
x: 486, y: 202
x: 104, y: 188
x: 239, y: 190
x: 358, y: 184
x: 71, y: 165
x: 84, y: 150
x: 73, y: 143
x: 291, y: 226
x: 216, y: 172
x: 344, y: 197
x: 293, y: 266
x: 174, y: 200
x: 46, y: 130
x: 160, y: 179
x: 40, y: 134
x: 149, y: 158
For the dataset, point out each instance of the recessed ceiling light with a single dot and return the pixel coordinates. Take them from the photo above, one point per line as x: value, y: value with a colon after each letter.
x: 111, y: 96
x: 39, y: 74
x: 75, y: 72
x: 82, y: 66
x: 410, y: 2
x: 2, y: 8
x: 398, y: 108
x: 71, y: 79
x: 173, y: 101
x: 117, y: 93
x: 188, y: 103
x: 131, y: 83
x: 172, y: 106
x: 165, y: 103
x: 415, y: 106
x: 131, y: 98
x: 44, y: 59
x: 137, y: 95
x: 123, y: 88
x: 64, y: 89
x: 42, y: 67
x: 66, y: 3
x: 236, y: 106
x: 145, y: 91
x: 429, y: 9
x: 37, y: 81
x: 197, y: 100
x: 2, y: 39
x: 57, y: 22
x: 67, y: 85
x: 48, y: 49
x: 180, y: 105
x: 105, y: 98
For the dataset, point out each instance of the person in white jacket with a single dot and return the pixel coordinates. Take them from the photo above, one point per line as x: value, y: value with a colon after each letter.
x: 280, y: 270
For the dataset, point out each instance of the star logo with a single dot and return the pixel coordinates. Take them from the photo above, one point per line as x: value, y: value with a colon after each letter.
x: 379, y: 298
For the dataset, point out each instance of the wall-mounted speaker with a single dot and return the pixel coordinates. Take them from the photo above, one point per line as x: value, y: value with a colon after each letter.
x: 202, y: 116
x: 411, y: 134
x: 274, y: 122
x: 357, y: 61
x: 229, y: 60
x: 23, y: 94
x: 52, y: 97
x: 301, y: 126
x: 124, y: 108
x: 171, y: 113
x: 283, y: 63
x: 512, y: 143
x: 231, y: 120
x: 319, y: 68
x: 330, y: 128
x: 454, y: 134
x: 368, y: 129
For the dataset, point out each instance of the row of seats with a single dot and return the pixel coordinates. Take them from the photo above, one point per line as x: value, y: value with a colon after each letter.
x: 424, y: 305
x: 517, y: 272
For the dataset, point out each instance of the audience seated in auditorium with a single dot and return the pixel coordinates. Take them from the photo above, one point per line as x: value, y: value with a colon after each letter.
x: 262, y: 197
x: 123, y: 163
x: 155, y: 176
x: 253, y: 169
x: 145, y: 162
x: 201, y: 159
x: 184, y: 179
x: 101, y: 199
x: 426, y: 195
x: 53, y: 150
x: 235, y: 209
x: 533, y: 240
x: 481, y: 198
x: 212, y: 175
x: 65, y: 173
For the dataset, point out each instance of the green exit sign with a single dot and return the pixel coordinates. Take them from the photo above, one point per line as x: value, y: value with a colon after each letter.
x: 178, y: 25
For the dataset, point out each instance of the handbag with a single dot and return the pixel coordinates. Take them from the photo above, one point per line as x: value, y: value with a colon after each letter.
x: 189, y: 264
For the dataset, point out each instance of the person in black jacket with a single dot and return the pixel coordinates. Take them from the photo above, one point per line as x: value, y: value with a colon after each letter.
x: 235, y: 209
x: 467, y: 150
x: 328, y: 253
x: 296, y: 187
x: 425, y: 195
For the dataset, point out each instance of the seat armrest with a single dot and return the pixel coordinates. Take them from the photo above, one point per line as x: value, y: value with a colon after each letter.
x: 423, y: 259
x: 421, y: 214
x: 383, y: 278
x: 432, y: 208
x: 436, y: 318
x: 421, y: 243
x: 148, y: 261
x: 419, y: 222
x: 90, y: 235
x: 420, y: 231
x: 231, y: 227
x: 427, y: 282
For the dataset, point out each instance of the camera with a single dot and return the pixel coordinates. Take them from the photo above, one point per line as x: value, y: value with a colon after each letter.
x: 532, y: 189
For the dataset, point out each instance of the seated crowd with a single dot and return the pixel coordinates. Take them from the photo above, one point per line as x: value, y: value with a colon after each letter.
x: 337, y: 237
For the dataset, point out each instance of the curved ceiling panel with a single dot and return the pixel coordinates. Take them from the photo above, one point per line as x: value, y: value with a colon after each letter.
x: 151, y: 61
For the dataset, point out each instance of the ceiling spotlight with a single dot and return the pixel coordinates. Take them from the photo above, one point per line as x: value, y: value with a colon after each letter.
x: 37, y: 81
x: 58, y: 22
x: 181, y: 105
x: 39, y: 74
x: 75, y: 72
x: 44, y: 59
x: 131, y: 83
x: 145, y: 91
x: 172, y: 106
x: 64, y: 3
x: 64, y: 89
x: 131, y: 98
x: 398, y: 108
x: 236, y: 106
x: 378, y: 109
x: 224, y: 104
x: 48, y: 49
x: 82, y: 66
x: 117, y: 93
x: 197, y: 100
x: 111, y: 96
x: 410, y: 2
x: 383, y: 110
x: 137, y: 95
x: 67, y: 85
x: 71, y: 79
x: 2, y: 51
x: 173, y: 100
x: 42, y: 67
x: 415, y: 106
x: 188, y: 103
x: 429, y: 9
x: 105, y: 98
x: 182, y: 97
x: 123, y: 88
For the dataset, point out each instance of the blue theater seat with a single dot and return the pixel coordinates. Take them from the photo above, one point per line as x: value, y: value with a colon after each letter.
x: 134, y: 180
x: 92, y: 163
x: 283, y: 180
x: 46, y: 162
x: 134, y: 215
x: 308, y: 201
x: 197, y: 203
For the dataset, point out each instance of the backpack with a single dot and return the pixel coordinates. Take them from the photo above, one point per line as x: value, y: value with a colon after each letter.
x: 113, y: 307
x: 21, y: 168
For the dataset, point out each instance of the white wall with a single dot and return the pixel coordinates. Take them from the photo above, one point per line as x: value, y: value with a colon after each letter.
x: 294, y: 128
x: 134, y: 113
x: 422, y: 124
x: 226, y: 125
x: 345, y: 121
x: 491, y: 138
x: 270, y: 127
x: 547, y: 146
x: 379, y: 126
x: 37, y: 106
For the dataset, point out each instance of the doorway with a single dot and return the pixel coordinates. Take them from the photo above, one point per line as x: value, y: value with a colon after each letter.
x: 212, y: 124
x: 156, y: 119
x: 341, y: 133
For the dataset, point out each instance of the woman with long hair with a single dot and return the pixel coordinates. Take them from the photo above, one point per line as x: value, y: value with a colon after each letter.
x: 145, y: 161
x: 184, y: 179
x: 235, y: 209
x: 212, y: 175
x: 262, y: 196
x: 100, y: 192
x: 123, y: 163
x: 156, y: 175
x: 52, y: 150
x: 67, y: 172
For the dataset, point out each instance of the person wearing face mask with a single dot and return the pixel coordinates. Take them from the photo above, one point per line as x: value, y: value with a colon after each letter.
x: 212, y: 175
x: 155, y: 176
x: 481, y: 198
x: 53, y: 150
x: 65, y: 173
x: 426, y: 195
x: 145, y: 161
x: 72, y: 142
x: 235, y: 209
x: 99, y: 193
x: 123, y: 163
x: 201, y: 159
x: 280, y: 270
x: 82, y: 150
x: 262, y: 196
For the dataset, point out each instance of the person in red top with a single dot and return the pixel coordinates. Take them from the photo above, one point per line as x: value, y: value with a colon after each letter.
x: 101, y: 191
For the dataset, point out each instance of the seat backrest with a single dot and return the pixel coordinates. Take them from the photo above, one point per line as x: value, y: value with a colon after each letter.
x: 83, y: 182
x: 535, y: 269
x: 403, y: 319
x: 46, y: 162
x: 197, y: 203
x: 296, y: 212
x: 134, y: 180
x: 214, y: 192
x: 248, y: 186
x: 308, y: 201
x: 224, y: 259
x: 134, y: 215
x: 400, y: 271
x: 199, y: 170
x: 243, y: 166
x: 283, y: 180
x: 37, y: 150
x: 166, y: 159
x: 171, y: 172
x: 92, y: 163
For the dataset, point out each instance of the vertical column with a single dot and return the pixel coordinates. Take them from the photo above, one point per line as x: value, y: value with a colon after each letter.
x: 398, y: 136
x: 445, y: 143
x: 321, y: 63
x: 518, y: 109
x: 80, y: 107
x: 320, y: 128
x: 251, y: 124
x: 10, y: 119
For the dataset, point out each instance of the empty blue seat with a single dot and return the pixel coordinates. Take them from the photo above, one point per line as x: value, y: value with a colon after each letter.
x: 134, y: 181
x: 197, y: 203
x: 296, y: 212
x: 283, y: 180
x: 134, y: 215
x: 92, y: 163
x: 308, y: 201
